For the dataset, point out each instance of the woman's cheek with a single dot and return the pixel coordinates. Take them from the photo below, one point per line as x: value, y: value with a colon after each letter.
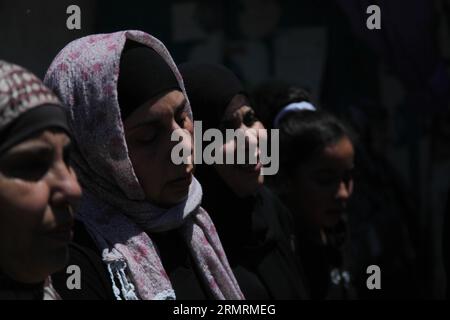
x: 25, y: 204
x: 228, y: 150
x: 142, y: 159
x: 33, y: 196
x: 313, y: 196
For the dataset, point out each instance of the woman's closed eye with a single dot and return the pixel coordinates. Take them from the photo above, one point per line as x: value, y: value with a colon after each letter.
x: 348, y: 175
x: 182, y: 119
x: 146, y: 135
x: 149, y: 137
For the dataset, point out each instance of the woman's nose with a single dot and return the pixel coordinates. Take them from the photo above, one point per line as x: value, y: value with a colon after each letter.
x: 252, y: 145
x: 344, y: 191
x: 182, y: 140
x: 64, y: 185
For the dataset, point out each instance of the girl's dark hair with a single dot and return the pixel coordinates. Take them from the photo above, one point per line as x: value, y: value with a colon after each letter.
x: 303, y: 134
x: 269, y: 98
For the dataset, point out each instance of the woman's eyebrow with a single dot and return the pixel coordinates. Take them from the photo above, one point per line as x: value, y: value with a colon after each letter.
x: 151, y: 120
x: 29, y: 152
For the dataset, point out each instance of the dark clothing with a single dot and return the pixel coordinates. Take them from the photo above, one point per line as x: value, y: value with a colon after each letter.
x: 95, y: 279
x: 13, y: 290
x: 326, y: 266
x: 177, y: 262
x: 383, y: 217
x: 255, y: 236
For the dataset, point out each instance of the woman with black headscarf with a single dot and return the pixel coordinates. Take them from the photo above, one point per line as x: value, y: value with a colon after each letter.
x: 252, y: 223
x: 37, y: 186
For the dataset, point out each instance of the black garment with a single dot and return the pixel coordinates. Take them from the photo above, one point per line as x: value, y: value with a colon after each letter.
x: 95, y: 279
x: 255, y: 235
x: 144, y: 74
x: 326, y: 266
x: 383, y: 225
x: 179, y: 266
x: 13, y: 290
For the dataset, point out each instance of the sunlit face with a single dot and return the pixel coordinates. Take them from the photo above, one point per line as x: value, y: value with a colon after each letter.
x: 243, y: 179
x: 148, y: 133
x: 37, y: 189
x: 322, y: 187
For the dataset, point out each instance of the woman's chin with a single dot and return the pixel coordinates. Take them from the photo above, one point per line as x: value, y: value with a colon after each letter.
x: 172, y: 199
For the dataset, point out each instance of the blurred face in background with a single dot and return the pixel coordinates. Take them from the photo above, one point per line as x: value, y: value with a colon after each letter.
x: 322, y: 186
x: 37, y: 191
x: 243, y: 179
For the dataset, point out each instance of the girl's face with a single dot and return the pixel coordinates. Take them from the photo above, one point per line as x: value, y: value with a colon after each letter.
x: 243, y: 179
x: 148, y: 133
x: 321, y: 187
x: 37, y: 191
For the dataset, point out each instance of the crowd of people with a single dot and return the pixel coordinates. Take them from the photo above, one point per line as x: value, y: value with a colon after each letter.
x: 87, y: 179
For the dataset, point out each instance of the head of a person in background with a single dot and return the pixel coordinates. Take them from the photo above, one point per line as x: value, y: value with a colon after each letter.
x: 316, y: 164
x: 219, y: 101
x: 272, y: 96
x: 37, y: 184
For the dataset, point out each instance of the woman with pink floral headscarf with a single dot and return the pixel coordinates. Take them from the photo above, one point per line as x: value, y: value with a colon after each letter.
x: 141, y: 211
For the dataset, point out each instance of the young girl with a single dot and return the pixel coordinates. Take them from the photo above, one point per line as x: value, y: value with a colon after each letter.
x: 315, y: 181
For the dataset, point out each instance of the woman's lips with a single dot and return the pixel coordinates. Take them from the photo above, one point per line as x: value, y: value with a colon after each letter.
x: 254, y: 169
x: 182, y: 182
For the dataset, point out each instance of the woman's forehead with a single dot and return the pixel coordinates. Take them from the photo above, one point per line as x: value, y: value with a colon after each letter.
x: 334, y: 157
x: 239, y: 103
x: 156, y: 110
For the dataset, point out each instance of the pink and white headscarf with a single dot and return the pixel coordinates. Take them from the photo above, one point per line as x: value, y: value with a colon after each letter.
x: 84, y: 75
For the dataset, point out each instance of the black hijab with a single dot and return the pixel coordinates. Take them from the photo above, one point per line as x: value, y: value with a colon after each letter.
x: 143, y: 75
x: 210, y: 89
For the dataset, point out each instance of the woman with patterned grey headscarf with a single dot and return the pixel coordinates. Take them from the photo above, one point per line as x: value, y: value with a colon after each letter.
x: 37, y: 186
